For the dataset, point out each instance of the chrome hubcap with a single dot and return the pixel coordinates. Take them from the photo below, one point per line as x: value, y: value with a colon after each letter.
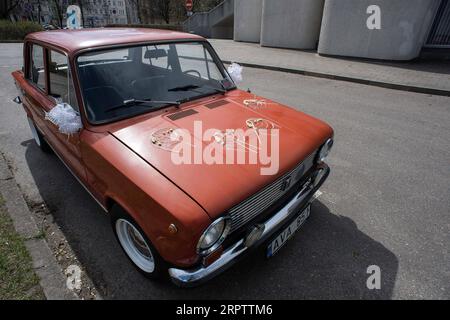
x: 135, y: 245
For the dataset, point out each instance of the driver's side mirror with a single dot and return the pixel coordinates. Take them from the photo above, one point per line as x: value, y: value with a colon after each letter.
x: 18, y: 100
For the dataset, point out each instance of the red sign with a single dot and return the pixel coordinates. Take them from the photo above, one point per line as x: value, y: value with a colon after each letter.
x: 189, y: 5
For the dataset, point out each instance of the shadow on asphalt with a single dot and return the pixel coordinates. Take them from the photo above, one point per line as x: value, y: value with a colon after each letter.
x: 433, y: 63
x: 328, y: 257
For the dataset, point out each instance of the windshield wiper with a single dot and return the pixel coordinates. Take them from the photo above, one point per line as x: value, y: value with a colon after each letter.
x: 223, y: 91
x: 192, y: 87
x: 137, y: 101
x: 147, y: 103
x: 189, y: 87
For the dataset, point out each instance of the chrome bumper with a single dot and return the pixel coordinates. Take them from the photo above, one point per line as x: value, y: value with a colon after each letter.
x: 192, y: 277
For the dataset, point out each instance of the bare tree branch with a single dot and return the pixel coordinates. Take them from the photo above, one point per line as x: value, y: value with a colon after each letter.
x: 58, y: 8
x: 8, y: 9
x: 163, y: 9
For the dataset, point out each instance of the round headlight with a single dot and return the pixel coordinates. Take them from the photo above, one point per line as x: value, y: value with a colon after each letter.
x: 325, y: 150
x: 213, y: 236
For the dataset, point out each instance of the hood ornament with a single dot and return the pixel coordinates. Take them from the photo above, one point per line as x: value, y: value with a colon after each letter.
x: 165, y: 138
x: 255, y: 103
x: 259, y: 123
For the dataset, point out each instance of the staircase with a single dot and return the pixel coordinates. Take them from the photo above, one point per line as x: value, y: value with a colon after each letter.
x: 217, y: 23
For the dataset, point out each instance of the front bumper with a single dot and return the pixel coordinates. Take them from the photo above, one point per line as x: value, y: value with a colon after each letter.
x: 196, y: 276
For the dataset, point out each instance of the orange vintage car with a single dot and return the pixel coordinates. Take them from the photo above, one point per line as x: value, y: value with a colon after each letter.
x: 124, y: 108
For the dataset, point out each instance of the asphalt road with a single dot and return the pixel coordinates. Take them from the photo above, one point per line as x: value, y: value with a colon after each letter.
x: 386, y: 202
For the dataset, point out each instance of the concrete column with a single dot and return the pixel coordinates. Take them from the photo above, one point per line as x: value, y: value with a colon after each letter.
x: 247, y: 20
x: 291, y: 23
x: 404, y: 28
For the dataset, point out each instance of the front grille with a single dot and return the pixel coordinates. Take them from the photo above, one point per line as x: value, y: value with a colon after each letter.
x: 262, y: 200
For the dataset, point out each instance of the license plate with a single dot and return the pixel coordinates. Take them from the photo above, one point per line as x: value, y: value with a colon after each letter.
x: 287, y: 233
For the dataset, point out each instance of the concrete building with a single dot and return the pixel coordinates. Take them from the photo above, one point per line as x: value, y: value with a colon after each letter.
x: 216, y: 23
x: 376, y: 29
x: 98, y: 13
x: 34, y: 10
x: 247, y: 20
x: 291, y: 23
x: 404, y: 26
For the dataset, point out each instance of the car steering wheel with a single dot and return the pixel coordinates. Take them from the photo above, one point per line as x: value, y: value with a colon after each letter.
x: 193, y: 71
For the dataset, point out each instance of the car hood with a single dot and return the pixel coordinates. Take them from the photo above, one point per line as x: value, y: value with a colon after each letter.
x: 218, y: 187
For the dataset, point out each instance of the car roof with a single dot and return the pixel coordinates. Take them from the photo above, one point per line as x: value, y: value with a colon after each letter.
x: 72, y: 41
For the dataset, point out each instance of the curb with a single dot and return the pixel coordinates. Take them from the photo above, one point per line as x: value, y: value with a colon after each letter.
x: 52, y: 279
x: 387, y: 85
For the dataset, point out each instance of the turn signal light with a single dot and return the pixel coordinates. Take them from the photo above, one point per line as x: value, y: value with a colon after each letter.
x: 209, y: 259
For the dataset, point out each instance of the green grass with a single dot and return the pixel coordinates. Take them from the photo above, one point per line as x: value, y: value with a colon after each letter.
x: 17, y: 278
x: 17, y: 30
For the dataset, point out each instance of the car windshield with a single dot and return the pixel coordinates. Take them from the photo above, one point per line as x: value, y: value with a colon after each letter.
x: 125, y: 82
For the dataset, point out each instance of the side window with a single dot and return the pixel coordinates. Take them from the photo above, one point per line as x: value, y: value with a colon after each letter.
x: 61, y: 84
x: 195, y: 59
x: 37, y: 67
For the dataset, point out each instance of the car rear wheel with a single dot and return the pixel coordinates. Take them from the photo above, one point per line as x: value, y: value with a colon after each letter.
x: 38, y: 137
x: 136, y: 245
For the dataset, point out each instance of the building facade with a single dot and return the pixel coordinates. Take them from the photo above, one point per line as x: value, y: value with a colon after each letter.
x: 375, y: 29
x: 33, y: 10
x: 99, y: 13
x: 95, y: 13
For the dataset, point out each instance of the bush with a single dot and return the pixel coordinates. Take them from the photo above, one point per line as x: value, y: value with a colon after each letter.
x: 17, y: 30
x: 173, y: 27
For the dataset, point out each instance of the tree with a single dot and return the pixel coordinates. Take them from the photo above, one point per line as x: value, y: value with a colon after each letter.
x: 59, y: 12
x: 39, y: 10
x: 84, y: 5
x: 163, y: 9
x: 136, y: 4
x: 7, y: 7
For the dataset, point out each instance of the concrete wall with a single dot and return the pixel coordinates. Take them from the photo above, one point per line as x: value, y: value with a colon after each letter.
x: 223, y: 29
x: 198, y: 24
x: 404, y: 27
x: 221, y: 20
x: 216, y: 23
x: 247, y: 20
x: 291, y: 23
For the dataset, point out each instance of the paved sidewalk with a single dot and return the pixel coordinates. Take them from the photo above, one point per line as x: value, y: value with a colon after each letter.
x: 431, y: 77
x: 52, y: 279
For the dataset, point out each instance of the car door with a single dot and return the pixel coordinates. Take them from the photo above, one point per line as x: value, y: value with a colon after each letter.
x: 50, y: 74
x: 35, y: 97
x: 61, y: 90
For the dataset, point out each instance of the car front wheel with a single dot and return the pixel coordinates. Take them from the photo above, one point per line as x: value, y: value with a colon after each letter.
x: 136, y: 245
